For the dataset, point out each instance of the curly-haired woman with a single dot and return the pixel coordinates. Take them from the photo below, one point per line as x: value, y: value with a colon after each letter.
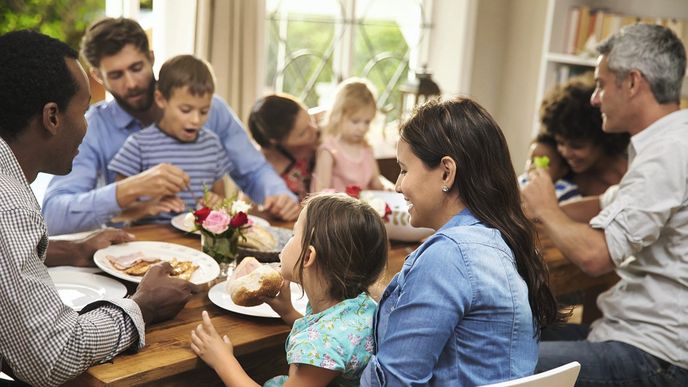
x: 597, y: 159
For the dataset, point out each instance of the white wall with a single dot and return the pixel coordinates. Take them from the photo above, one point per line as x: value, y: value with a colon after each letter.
x: 490, y: 50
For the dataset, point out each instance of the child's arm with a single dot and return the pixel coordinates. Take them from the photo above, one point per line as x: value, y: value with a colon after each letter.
x: 283, y: 306
x: 322, y: 175
x: 218, y: 353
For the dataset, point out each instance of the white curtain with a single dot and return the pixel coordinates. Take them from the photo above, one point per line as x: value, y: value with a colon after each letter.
x: 229, y: 34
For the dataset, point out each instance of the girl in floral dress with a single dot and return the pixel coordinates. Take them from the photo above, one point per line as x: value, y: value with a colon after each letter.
x: 338, y: 251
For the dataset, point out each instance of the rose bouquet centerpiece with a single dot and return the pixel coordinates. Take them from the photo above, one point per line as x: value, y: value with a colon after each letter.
x: 221, y: 226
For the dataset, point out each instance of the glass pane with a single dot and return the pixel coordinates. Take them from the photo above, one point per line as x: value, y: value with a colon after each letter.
x: 301, y: 42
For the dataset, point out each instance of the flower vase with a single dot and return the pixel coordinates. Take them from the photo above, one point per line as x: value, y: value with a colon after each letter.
x: 223, y: 249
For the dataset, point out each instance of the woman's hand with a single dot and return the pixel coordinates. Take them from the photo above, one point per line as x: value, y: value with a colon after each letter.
x: 216, y: 351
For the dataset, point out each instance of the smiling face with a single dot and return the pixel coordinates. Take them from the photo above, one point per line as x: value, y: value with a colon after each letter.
x: 128, y: 76
x: 355, y: 126
x: 184, y: 114
x: 557, y: 168
x: 580, y: 155
x: 73, y: 123
x: 609, y: 97
x: 422, y: 189
x: 303, y: 134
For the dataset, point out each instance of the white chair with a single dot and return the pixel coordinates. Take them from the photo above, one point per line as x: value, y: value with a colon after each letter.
x: 564, y: 376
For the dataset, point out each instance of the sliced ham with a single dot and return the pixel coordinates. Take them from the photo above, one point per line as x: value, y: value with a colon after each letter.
x: 123, y: 262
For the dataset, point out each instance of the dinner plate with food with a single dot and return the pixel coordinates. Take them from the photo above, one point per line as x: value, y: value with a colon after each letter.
x: 248, y: 285
x: 179, y: 223
x: 130, y: 261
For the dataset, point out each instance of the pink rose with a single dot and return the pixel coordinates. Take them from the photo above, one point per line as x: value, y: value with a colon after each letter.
x: 217, y: 222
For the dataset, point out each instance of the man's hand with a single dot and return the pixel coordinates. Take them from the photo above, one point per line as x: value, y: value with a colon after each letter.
x: 538, y: 195
x: 160, y: 296
x: 138, y: 210
x: 282, y: 207
x: 80, y: 253
x: 159, y: 181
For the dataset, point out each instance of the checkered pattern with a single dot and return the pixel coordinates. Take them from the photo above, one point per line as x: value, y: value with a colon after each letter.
x: 44, y: 341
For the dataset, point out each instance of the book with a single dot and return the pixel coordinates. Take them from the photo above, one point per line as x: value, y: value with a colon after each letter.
x: 571, y: 30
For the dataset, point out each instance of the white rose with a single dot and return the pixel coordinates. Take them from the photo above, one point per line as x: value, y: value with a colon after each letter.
x: 189, y: 221
x: 240, y: 206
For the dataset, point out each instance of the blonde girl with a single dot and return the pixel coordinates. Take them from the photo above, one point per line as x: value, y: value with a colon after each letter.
x: 338, y: 250
x: 344, y: 157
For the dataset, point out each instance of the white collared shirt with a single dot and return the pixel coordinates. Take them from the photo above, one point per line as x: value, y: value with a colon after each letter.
x: 648, y: 219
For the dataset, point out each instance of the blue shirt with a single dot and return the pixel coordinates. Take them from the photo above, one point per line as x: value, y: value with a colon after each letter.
x: 204, y: 160
x: 456, y: 315
x: 85, y: 198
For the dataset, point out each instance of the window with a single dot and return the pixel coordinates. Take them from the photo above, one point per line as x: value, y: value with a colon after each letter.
x: 314, y: 45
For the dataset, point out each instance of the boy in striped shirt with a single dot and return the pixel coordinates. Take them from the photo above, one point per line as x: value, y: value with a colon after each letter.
x: 184, y: 92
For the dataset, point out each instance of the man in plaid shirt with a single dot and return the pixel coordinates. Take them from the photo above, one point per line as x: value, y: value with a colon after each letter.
x: 44, y: 93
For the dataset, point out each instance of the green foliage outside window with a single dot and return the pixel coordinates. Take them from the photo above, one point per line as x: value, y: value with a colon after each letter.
x: 65, y: 20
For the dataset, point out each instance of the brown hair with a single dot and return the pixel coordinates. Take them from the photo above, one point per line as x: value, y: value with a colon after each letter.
x: 352, y: 95
x: 485, y: 179
x: 107, y: 36
x: 273, y: 118
x: 186, y: 71
x: 350, y: 240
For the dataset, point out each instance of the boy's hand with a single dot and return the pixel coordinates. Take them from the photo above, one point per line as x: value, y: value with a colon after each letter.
x: 210, y: 200
x: 151, y: 207
x: 216, y: 351
x: 161, y: 180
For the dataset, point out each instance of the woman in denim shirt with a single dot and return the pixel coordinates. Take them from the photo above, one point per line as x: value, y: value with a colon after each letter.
x: 467, y: 307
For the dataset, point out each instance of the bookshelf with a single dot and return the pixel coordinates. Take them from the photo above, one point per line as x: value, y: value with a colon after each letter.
x: 573, y: 27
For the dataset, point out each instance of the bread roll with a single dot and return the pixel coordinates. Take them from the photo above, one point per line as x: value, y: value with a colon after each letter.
x: 252, y: 281
x: 258, y: 238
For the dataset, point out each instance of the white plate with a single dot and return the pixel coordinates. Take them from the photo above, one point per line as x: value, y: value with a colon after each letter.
x: 78, y: 289
x: 178, y: 223
x: 76, y: 269
x: 218, y: 295
x: 207, y: 270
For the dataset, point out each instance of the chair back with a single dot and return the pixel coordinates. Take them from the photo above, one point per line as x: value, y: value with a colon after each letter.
x: 564, y: 376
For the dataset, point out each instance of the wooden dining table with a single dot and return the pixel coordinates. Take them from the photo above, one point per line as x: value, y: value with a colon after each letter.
x: 167, y: 359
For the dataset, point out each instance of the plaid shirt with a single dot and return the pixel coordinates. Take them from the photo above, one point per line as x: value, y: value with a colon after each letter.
x: 44, y: 341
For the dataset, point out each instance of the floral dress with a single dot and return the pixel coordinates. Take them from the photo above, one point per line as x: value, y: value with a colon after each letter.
x: 339, y: 338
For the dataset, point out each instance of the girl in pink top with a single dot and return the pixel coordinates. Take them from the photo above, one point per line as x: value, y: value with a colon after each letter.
x: 344, y: 157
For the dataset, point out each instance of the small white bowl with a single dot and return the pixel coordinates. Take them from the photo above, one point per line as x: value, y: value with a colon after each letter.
x: 399, y: 228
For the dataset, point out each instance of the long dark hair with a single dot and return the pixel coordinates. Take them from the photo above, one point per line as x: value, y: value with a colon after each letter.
x: 486, y: 182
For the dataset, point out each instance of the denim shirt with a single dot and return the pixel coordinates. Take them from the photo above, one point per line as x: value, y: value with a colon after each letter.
x: 85, y: 198
x: 456, y: 315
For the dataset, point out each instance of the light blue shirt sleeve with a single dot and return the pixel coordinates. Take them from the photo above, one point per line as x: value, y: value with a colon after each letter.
x: 434, y: 294
x: 82, y: 200
x: 247, y: 166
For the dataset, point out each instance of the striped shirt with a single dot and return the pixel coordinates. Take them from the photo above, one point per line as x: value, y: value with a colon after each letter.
x: 204, y: 160
x: 44, y: 341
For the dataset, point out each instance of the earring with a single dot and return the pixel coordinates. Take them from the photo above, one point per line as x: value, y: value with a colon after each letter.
x: 445, y: 188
